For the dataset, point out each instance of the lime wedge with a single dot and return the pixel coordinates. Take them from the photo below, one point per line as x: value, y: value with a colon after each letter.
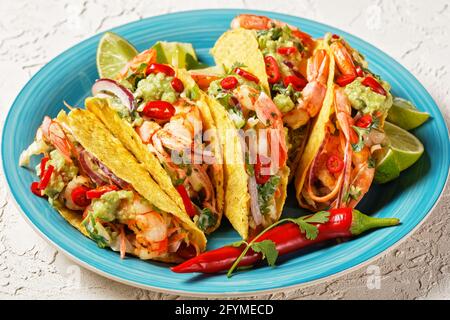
x: 113, y: 53
x: 174, y: 53
x: 387, y: 168
x: 405, y: 115
x: 177, y: 54
x: 405, y: 146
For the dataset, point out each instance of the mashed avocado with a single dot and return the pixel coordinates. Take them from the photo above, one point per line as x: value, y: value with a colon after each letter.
x: 156, y: 87
x: 367, y: 101
x: 107, y: 206
x: 271, y: 40
x: 63, y: 172
x: 283, y: 102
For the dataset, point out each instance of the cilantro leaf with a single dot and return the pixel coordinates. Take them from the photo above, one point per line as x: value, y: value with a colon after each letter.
x: 268, y: 250
x: 310, y: 230
x: 319, y: 217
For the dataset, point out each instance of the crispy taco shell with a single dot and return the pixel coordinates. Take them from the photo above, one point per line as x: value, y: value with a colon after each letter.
x: 98, y: 140
x: 241, y: 46
x: 123, y: 131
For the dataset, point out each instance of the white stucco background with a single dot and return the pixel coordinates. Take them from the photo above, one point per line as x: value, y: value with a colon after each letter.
x: 416, y: 33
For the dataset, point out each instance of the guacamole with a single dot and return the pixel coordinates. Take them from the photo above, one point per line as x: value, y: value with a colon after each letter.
x: 64, y: 170
x: 283, y: 102
x: 156, y: 87
x: 271, y: 40
x: 365, y: 100
x: 107, y: 206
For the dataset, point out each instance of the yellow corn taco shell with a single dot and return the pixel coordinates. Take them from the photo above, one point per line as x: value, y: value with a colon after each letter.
x: 131, y: 140
x: 241, y: 46
x: 98, y: 140
x: 237, y: 199
x: 317, y: 134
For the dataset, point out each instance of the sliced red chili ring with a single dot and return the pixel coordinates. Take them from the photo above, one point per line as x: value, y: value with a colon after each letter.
x: 247, y: 75
x: 335, y: 164
x: 359, y: 71
x: 98, y: 192
x: 345, y: 79
x: 160, y: 110
x: 374, y: 85
x: 272, y: 70
x: 43, y: 163
x: 298, y: 83
x: 287, y: 50
x: 335, y: 36
x: 229, y: 83
x: 46, y: 177
x: 35, y: 189
x: 259, y: 167
x: 177, y: 85
x: 160, y: 68
x: 365, y: 121
x: 190, y: 210
x: 79, y: 196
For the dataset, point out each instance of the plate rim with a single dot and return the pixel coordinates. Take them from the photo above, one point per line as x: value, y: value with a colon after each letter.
x: 230, y: 293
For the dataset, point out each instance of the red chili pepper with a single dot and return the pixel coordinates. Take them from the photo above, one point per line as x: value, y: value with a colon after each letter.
x: 345, y: 79
x: 245, y: 74
x: 158, y: 109
x: 343, y: 223
x: 272, y: 70
x: 46, y: 177
x: 335, y: 36
x: 359, y: 71
x: 43, y: 163
x: 177, y: 85
x: 160, y: 68
x: 287, y: 50
x: 297, y: 83
x: 229, y: 83
x: 374, y: 85
x: 259, y: 166
x: 35, y: 189
x: 79, y: 196
x: 335, y: 164
x: 98, y: 192
x: 365, y: 121
x: 190, y: 210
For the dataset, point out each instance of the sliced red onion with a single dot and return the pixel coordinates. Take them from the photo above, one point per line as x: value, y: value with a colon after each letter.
x: 88, y: 162
x: 254, y: 204
x: 112, y: 87
x: 121, y: 183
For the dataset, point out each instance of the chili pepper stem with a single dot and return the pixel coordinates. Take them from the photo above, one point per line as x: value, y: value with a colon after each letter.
x: 362, y: 223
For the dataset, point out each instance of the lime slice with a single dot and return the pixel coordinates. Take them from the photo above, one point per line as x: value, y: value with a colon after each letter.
x: 174, y: 53
x: 113, y: 53
x: 387, y: 168
x: 406, y: 147
x: 405, y: 115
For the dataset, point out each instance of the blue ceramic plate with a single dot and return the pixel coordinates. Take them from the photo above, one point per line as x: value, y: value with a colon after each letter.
x: 69, y: 77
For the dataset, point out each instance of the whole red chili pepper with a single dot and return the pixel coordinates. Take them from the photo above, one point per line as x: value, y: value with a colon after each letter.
x: 342, y: 223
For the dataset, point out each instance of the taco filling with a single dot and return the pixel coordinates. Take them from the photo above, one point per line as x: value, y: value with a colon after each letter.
x: 262, y: 143
x: 108, y: 209
x: 342, y: 171
x: 168, y: 120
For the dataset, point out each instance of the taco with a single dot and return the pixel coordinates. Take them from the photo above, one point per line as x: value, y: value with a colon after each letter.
x: 338, y: 165
x: 101, y: 189
x: 254, y: 147
x: 162, y: 118
x: 292, y: 68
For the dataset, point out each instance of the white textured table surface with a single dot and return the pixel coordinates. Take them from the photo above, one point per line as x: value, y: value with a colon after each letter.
x: 416, y: 33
